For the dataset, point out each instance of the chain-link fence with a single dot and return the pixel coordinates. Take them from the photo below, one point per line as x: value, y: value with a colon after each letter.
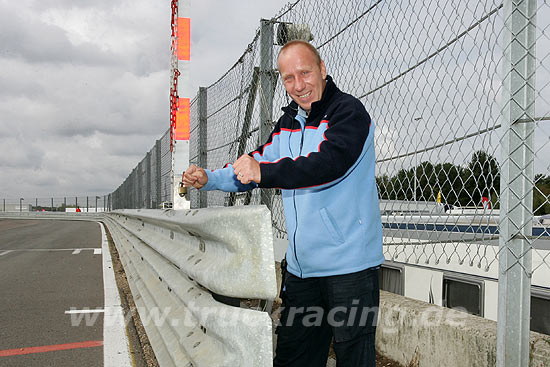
x: 430, y: 74
x: 149, y: 185
x: 460, y: 95
x: 85, y: 204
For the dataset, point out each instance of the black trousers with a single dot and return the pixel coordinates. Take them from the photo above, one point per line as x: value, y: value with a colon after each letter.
x: 315, y: 310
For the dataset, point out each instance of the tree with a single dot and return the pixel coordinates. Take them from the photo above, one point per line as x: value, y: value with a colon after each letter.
x: 460, y: 186
x: 481, y: 179
x: 541, y: 195
x: 449, y: 182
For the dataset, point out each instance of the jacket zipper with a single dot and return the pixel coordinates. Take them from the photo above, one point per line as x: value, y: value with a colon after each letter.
x: 295, y: 209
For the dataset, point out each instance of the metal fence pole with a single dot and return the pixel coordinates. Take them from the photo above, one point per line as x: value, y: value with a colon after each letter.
x: 203, y: 132
x: 517, y: 179
x: 52, y: 204
x: 65, y: 203
x: 4, y: 205
x: 139, y: 186
x: 266, y: 79
x: 148, y: 183
x: 133, y: 189
x: 267, y: 91
x: 245, y: 132
x: 158, y: 174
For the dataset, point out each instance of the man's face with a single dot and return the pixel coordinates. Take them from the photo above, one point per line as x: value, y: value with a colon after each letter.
x: 303, y: 78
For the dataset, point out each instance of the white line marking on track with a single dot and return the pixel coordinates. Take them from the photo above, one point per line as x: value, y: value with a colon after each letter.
x: 99, y: 310
x: 53, y: 249
x: 116, y: 351
x: 4, y: 253
x: 77, y: 251
x: 97, y: 251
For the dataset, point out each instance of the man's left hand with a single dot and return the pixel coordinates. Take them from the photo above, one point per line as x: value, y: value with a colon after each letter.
x: 247, y: 169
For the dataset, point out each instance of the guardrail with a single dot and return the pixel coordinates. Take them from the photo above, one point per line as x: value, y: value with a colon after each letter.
x: 175, y: 259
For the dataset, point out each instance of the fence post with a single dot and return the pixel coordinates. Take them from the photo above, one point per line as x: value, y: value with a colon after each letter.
x: 266, y: 79
x: 267, y: 91
x: 203, y: 139
x: 148, y: 182
x: 65, y: 203
x: 245, y: 132
x: 52, y: 204
x: 517, y: 177
x: 158, y: 173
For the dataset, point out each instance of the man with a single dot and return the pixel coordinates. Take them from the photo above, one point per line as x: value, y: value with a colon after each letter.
x: 321, y: 154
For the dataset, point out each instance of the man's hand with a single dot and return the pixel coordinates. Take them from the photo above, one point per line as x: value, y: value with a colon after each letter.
x: 247, y: 169
x: 194, y: 176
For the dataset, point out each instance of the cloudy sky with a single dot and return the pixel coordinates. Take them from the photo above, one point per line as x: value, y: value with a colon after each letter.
x: 84, y: 84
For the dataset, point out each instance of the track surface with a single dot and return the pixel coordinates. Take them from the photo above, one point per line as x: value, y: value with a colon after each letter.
x: 48, y: 268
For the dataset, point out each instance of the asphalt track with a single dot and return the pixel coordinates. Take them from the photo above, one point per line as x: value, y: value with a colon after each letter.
x: 46, y: 269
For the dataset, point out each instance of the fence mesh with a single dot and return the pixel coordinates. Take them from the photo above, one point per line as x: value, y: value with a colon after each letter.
x: 431, y: 76
x: 149, y: 185
x: 91, y: 204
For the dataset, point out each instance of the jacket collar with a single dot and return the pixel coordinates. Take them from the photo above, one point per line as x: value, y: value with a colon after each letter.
x: 316, y: 107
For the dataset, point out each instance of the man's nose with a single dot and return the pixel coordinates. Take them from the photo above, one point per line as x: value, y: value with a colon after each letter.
x: 300, y: 84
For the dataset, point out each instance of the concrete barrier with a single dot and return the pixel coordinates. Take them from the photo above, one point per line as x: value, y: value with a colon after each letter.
x: 173, y: 259
x: 429, y: 335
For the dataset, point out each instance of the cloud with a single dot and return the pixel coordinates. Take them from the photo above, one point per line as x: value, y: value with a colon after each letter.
x: 84, y: 85
x: 33, y: 41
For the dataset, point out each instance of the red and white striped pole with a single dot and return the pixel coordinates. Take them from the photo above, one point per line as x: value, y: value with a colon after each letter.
x: 179, y: 107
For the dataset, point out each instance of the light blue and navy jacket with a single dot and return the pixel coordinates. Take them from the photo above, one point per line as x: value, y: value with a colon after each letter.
x: 325, y: 165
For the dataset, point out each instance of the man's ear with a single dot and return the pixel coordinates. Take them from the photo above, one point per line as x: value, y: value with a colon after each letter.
x: 323, y: 70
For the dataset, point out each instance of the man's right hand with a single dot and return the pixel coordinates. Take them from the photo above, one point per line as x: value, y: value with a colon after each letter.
x: 194, y: 176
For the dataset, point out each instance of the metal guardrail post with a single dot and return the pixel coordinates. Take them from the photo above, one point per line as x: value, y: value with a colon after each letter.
x: 52, y: 204
x: 203, y: 134
x: 517, y: 179
x: 267, y: 91
x: 87, y: 205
